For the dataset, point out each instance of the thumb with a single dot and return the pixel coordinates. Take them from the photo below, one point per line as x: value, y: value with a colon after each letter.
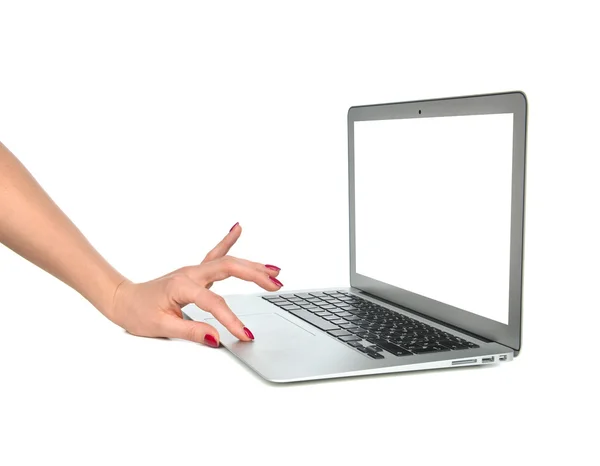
x: 199, y: 332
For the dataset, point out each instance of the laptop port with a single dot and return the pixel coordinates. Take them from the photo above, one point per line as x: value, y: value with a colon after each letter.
x: 490, y: 359
x: 464, y: 361
x: 502, y: 357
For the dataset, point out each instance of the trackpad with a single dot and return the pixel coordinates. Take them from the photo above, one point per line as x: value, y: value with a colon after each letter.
x: 272, y: 332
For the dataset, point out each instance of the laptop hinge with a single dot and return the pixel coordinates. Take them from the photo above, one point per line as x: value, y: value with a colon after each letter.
x: 433, y: 319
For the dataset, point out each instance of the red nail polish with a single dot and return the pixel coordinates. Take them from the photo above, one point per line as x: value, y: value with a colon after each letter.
x: 272, y: 267
x: 210, y: 341
x: 236, y: 224
x: 248, y: 333
x: 274, y: 280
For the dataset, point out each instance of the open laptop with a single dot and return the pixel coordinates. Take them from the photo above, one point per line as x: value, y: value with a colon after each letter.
x: 436, y: 191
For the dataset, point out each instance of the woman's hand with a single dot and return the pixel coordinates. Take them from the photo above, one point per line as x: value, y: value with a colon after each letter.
x: 32, y: 225
x: 153, y: 309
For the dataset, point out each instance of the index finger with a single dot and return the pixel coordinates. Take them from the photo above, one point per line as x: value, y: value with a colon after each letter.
x: 186, y: 291
x: 225, y: 245
x: 216, y: 305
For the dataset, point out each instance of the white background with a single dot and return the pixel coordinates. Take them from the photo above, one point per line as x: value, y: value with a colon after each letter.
x: 157, y: 126
x: 433, y: 202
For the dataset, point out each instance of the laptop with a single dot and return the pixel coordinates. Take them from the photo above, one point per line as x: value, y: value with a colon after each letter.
x: 436, y: 210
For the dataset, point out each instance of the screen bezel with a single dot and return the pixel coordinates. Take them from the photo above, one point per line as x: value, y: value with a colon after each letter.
x: 510, y: 102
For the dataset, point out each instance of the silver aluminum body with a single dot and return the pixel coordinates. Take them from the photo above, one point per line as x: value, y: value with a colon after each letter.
x: 287, y: 349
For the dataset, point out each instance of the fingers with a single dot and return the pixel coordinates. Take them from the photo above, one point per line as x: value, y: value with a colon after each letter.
x: 232, y: 267
x: 225, y: 245
x: 272, y: 270
x: 216, y: 305
x: 200, y: 332
x: 186, y: 291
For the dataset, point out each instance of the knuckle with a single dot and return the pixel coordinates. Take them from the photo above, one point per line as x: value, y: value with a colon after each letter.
x: 219, y: 300
x: 194, y: 333
x: 178, y: 279
x: 182, y: 271
x: 230, y: 260
x: 224, y: 263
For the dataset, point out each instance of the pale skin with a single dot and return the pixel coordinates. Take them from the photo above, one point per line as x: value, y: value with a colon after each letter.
x: 33, y: 226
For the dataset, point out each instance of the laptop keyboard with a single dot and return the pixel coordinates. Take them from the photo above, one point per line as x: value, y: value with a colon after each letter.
x: 366, y: 326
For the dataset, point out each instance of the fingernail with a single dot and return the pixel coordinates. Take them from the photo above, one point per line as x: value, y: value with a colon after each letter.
x: 274, y: 280
x: 248, y: 333
x: 236, y: 224
x: 272, y: 267
x: 210, y: 341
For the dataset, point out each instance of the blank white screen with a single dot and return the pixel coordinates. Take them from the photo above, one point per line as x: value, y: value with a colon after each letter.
x: 432, y: 208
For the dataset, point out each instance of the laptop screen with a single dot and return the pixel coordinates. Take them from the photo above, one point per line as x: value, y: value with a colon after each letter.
x: 433, y: 208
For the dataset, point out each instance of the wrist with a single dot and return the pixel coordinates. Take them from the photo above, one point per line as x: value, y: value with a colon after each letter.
x: 111, y: 311
x: 101, y: 289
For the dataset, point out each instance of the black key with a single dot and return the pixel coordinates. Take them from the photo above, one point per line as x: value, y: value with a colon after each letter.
x: 451, y: 344
x: 356, y: 344
x: 310, y: 306
x: 314, y: 320
x: 359, y: 322
x: 290, y: 307
x: 330, y: 317
x: 339, y: 333
x: 427, y: 349
x: 351, y: 318
x: 375, y: 355
x: 361, y: 348
x: 350, y: 338
x: 376, y: 349
x: 391, y: 348
x: 272, y: 298
x: 349, y: 326
x: 411, y: 342
x: 339, y: 322
x: 340, y: 312
x: 303, y: 303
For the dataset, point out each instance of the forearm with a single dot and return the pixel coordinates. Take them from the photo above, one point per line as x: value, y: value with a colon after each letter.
x: 33, y: 226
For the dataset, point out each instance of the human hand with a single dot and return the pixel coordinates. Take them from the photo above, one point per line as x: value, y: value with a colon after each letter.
x: 153, y: 309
